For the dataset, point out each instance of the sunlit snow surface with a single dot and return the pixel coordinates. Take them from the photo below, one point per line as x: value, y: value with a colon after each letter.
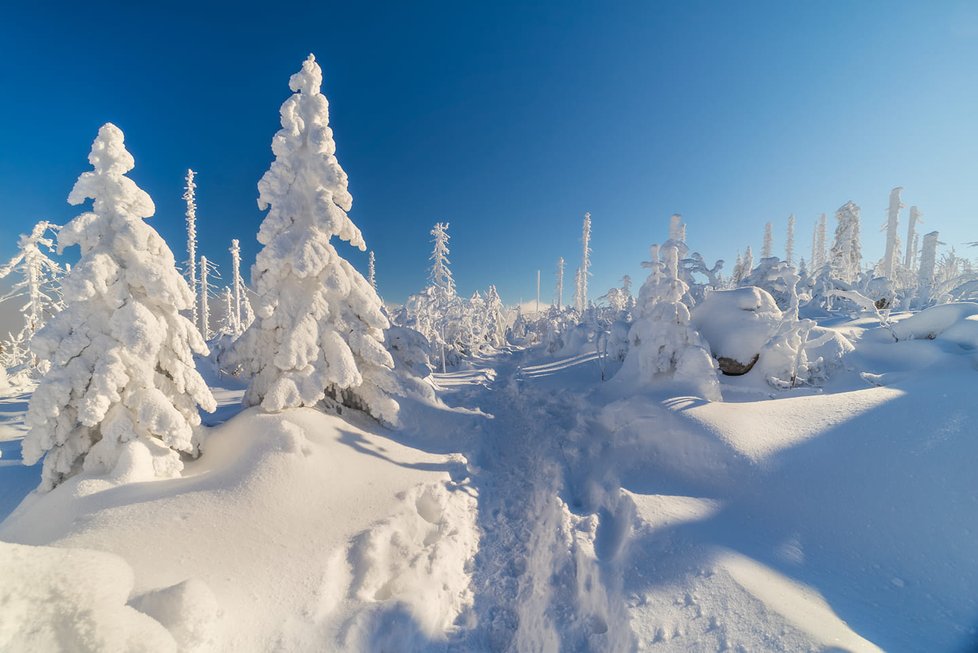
x: 536, y: 508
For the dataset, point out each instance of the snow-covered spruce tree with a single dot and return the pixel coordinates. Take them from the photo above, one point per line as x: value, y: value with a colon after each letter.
x: 122, y: 388
x: 190, y: 197
x: 319, y: 330
x: 891, y: 254
x: 661, y: 339
x: 767, y: 247
x: 39, y: 285
x: 846, y: 256
x: 789, y: 241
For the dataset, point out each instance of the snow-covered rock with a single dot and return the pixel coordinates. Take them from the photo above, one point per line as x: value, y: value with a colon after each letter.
x: 737, y: 323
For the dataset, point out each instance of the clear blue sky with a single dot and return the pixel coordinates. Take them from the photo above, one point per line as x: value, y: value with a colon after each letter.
x: 509, y: 121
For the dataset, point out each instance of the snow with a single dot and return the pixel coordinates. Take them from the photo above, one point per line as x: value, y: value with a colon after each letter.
x: 529, y: 506
x: 273, y: 529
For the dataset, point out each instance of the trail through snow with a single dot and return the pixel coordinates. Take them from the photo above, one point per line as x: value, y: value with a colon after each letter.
x: 540, y: 583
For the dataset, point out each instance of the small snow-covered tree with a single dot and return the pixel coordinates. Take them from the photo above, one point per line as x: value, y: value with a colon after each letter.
x: 891, y: 254
x: 767, y: 248
x: 661, y: 339
x: 789, y: 241
x: 495, y: 328
x: 846, y: 255
x: 190, y: 197
x: 122, y: 387
x: 40, y: 277
x: 319, y: 330
x: 580, y: 295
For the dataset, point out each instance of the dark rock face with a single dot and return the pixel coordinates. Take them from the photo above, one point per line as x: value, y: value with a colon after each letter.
x: 732, y: 367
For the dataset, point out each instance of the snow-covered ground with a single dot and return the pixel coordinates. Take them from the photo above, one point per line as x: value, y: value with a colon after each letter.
x: 534, y: 508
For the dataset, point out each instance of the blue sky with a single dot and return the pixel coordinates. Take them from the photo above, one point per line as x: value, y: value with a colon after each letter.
x: 509, y: 121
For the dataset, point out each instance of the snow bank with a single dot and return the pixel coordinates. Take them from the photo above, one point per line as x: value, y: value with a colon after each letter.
x: 295, y: 527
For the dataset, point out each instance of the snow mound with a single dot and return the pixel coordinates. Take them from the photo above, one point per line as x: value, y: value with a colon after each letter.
x: 956, y: 323
x: 54, y: 599
x: 277, y: 522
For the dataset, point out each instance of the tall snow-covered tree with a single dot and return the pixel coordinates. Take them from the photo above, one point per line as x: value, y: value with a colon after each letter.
x: 206, y: 290
x: 228, y: 325
x: 891, y: 254
x: 789, y: 241
x: 242, y: 314
x: 319, y: 330
x: 38, y: 285
x: 928, y: 266
x: 440, y: 275
x: 767, y: 248
x: 372, y: 271
x: 122, y: 387
x: 559, y: 290
x: 846, y: 256
x: 911, y: 256
x: 190, y: 197
x: 580, y: 295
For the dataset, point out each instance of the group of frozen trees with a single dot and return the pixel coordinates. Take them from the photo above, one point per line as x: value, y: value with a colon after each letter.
x: 454, y: 326
x: 236, y: 312
x: 119, y: 392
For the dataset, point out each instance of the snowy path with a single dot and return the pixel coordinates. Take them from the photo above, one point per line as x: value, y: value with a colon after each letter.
x: 539, y: 584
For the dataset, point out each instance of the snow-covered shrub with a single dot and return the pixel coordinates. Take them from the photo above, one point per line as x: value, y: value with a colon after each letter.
x: 122, y: 382
x: 662, y: 341
x: 319, y: 327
